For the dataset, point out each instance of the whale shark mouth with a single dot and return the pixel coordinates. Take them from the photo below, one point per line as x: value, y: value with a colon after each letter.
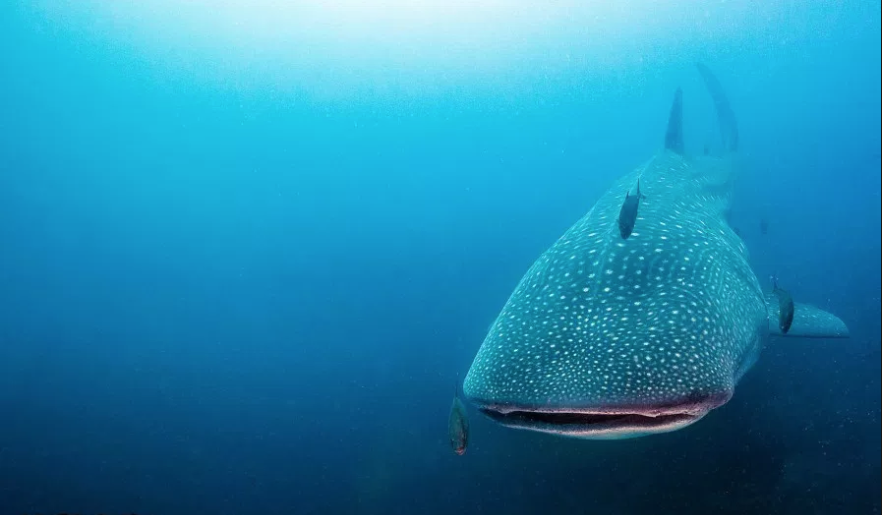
x: 594, y: 425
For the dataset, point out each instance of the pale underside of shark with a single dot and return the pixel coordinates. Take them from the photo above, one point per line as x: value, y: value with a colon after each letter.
x: 614, y: 336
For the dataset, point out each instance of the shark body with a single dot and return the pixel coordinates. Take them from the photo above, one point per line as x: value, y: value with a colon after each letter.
x: 611, y: 337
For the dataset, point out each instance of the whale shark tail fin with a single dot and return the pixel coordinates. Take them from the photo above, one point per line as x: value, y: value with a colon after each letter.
x: 725, y: 115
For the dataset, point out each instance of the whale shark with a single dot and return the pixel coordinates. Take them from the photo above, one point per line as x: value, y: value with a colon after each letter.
x: 611, y: 335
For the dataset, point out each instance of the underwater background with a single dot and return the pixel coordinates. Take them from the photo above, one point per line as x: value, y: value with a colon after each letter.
x: 248, y: 249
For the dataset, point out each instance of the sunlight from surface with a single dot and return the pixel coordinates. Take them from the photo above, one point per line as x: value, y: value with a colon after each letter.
x: 345, y: 49
x: 387, y: 28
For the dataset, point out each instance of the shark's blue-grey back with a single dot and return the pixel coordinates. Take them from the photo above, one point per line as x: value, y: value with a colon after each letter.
x: 610, y: 337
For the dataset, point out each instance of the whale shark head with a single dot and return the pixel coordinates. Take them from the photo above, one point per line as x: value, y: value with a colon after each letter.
x: 609, y: 336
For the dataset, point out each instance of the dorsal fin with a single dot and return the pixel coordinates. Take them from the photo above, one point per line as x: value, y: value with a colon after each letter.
x: 674, y: 136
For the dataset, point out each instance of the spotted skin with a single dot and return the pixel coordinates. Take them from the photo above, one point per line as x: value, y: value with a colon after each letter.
x: 612, y: 338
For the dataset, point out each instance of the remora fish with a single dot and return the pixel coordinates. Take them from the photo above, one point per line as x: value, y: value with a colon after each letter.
x: 612, y: 338
x: 628, y: 213
x: 786, y: 308
x: 458, y: 425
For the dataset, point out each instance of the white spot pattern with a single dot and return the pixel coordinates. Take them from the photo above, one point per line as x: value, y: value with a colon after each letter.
x: 672, y: 312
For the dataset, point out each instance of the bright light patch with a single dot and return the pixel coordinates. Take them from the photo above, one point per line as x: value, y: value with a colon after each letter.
x: 339, y: 50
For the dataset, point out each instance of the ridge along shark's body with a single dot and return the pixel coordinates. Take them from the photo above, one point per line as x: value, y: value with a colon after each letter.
x: 612, y: 337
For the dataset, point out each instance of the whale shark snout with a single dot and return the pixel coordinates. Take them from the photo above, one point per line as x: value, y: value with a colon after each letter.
x: 605, y: 378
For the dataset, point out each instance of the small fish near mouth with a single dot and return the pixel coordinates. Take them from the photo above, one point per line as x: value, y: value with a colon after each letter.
x: 458, y: 425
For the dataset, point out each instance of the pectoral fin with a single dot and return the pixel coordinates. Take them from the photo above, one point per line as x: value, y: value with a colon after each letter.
x: 808, y: 321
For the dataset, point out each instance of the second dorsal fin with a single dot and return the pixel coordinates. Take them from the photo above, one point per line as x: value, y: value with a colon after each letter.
x: 674, y: 136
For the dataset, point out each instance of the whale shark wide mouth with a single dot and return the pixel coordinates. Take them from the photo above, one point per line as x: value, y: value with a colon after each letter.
x: 596, y: 425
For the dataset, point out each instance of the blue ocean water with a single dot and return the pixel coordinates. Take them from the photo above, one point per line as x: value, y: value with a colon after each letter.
x: 247, y: 249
